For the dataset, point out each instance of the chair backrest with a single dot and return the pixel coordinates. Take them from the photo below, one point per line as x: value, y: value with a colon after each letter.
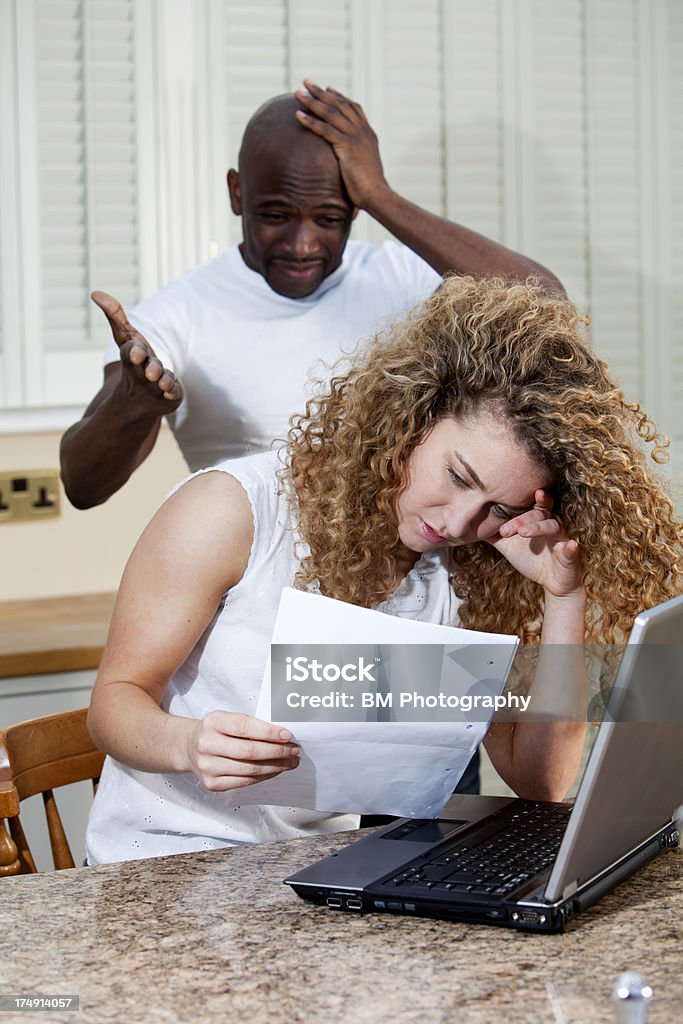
x: 38, y: 756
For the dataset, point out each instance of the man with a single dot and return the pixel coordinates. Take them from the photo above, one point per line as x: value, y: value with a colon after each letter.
x: 225, y: 350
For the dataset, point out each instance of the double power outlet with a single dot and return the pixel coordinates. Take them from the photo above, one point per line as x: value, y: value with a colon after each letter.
x: 29, y: 494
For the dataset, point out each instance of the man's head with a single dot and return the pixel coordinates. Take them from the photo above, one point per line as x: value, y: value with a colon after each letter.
x: 296, y: 215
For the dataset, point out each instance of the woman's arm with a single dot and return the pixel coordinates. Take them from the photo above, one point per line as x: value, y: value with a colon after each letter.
x: 540, y: 759
x: 195, y: 548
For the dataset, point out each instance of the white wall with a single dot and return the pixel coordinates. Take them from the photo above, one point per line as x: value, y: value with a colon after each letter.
x: 80, y: 552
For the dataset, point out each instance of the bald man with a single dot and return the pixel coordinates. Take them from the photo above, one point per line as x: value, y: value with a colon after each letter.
x: 225, y: 351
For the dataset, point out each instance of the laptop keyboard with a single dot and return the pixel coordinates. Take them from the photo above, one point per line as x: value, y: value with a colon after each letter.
x: 524, y: 844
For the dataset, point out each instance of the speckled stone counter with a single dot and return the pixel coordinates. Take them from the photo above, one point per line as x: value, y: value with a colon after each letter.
x: 215, y: 937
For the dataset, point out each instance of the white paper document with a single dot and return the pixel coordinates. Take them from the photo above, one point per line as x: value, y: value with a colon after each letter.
x: 399, y: 767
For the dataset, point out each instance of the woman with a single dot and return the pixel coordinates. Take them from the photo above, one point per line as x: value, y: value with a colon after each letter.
x: 476, y: 466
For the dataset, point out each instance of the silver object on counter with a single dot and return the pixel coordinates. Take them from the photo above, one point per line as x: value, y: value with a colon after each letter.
x: 632, y: 997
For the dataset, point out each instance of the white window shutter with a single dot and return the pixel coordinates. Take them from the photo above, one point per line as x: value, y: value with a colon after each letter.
x: 256, y: 68
x: 556, y: 156
x: 674, y: 138
x: 62, y: 175
x: 111, y: 127
x: 270, y: 45
x: 87, y: 164
x: 319, y: 43
x: 412, y: 136
x: 473, y: 142
x: 76, y: 191
x: 256, y: 58
x: 396, y: 74
x: 613, y: 186
x: 10, y: 353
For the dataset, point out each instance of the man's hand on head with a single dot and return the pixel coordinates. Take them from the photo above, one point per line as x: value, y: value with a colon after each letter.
x: 143, y: 375
x: 342, y: 122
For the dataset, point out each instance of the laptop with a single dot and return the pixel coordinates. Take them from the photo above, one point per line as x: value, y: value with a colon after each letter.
x: 527, y: 864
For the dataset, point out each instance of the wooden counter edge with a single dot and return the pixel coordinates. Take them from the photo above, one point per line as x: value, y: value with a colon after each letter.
x: 38, y: 663
x: 53, y: 634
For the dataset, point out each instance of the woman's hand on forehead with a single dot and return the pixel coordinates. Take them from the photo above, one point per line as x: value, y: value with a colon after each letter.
x: 538, y: 546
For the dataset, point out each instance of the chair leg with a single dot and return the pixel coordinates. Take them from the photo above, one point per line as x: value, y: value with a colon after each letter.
x: 27, y: 865
x: 9, y: 855
x: 61, y: 854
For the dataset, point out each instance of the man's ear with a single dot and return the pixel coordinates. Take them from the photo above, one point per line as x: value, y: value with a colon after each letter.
x: 235, y: 192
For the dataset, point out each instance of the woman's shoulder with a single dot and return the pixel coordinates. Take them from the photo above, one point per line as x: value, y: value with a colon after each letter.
x: 262, y: 476
x: 257, y: 472
x: 215, y: 504
x: 259, y: 467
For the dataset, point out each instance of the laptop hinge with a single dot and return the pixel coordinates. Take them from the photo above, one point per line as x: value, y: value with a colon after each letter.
x: 569, y: 890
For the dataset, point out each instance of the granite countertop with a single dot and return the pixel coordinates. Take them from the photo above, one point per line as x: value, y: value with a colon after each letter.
x: 215, y: 936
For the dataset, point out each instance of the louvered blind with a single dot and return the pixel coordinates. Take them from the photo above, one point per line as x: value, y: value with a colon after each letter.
x: 613, y: 174
x: 2, y: 340
x: 256, y: 67
x: 473, y: 139
x: 674, y: 94
x: 85, y: 121
x: 319, y: 43
x: 557, y: 146
x: 256, y: 57
x: 412, y: 128
x: 270, y: 45
x: 12, y: 313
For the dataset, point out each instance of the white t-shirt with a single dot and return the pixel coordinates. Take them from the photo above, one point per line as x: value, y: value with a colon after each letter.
x: 243, y: 352
x: 147, y: 814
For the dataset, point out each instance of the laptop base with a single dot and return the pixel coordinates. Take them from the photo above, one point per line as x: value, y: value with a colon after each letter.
x: 524, y: 908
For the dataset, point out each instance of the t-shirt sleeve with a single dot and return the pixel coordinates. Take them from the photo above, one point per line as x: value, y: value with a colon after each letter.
x: 163, y: 321
x: 413, y: 275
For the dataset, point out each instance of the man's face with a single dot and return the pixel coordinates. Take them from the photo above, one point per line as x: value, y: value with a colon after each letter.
x: 296, y: 216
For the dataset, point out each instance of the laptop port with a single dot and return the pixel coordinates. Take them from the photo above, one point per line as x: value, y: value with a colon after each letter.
x: 528, y: 917
x: 334, y: 901
x: 354, y: 904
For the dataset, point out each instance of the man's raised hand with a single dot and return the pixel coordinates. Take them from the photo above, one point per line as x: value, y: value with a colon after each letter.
x: 342, y: 122
x: 142, y: 373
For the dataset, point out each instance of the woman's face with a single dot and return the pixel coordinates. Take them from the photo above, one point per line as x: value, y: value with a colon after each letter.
x: 467, y: 478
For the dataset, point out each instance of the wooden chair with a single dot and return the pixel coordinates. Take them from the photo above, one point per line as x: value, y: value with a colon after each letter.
x: 38, y: 756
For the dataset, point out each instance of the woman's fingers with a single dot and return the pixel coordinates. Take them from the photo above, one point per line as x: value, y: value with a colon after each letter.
x: 544, y: 500
x: 542, y: 528
x: 218, y: 745
x: 225, y: 783
x: 234, y: 750
x: 216, y: 771
x: 238, y: 725
x: 567, y: 552
x: 539, y: 521
x: 535, y: 523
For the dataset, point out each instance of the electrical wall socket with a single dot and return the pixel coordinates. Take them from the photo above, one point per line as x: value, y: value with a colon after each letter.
x: 29, y: 494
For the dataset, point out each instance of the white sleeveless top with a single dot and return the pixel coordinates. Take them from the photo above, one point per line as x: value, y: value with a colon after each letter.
x: 144, y: 814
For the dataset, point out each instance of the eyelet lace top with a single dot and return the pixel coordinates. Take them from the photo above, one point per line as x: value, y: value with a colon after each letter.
x: 144, y: 814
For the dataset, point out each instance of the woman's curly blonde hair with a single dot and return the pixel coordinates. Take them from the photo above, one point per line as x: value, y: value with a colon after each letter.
x: 517, y: 351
